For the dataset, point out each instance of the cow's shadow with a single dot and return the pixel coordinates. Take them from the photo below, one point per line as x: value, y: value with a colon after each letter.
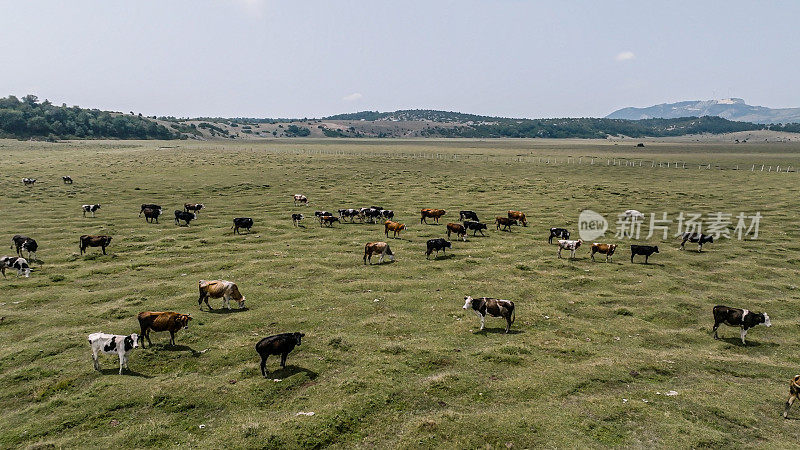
x: 228, y: 311
x: 176, y: 348
x: 385, y: 262
x: 290, y: 370
x: 500, y: 330
x: 737, y: 341
x: 442, y: 256
x: 128, y: 372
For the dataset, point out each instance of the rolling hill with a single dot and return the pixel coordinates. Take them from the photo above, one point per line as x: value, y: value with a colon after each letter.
x: 734, y: 109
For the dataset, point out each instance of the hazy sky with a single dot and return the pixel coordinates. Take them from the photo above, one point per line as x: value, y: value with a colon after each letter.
x: 262, y: 58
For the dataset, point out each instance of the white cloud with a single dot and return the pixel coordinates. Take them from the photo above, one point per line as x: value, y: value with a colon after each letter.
x: 352, y: 97
x: 625, y: 56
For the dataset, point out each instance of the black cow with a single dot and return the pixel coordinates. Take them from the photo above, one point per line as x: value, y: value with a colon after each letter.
x: 735, y: 317
x: 148, y: 205
x: 437, y: 244
x: 349, y: 213
x: 468, y: 215
x: 475, y: 227
x: 562, y: 233
x: 24, y: 243
x: 151, y: 215
x: 67, y: 179
x: 296, y: 218
x: 279, y: 344
x: 645, y: 250
x: 90, y: 208
x: 242, y: 222
x: 184, y: 216
x: 387, y: 214
x: 371, y: 214
x: 698, y: 238
x: 322, y: 213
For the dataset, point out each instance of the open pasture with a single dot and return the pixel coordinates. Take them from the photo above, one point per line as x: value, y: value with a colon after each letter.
x: 389, y: 358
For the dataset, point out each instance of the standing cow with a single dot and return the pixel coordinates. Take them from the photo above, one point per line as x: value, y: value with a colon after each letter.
x: 113, y: 344
x: 698, y: 238
x: 94, y: 241
x: 162, y: 321
x: 435, y: 214
x: 300, y: 198
x: 279, y: 344
x: 377, y: 248
x: 219, y: 288
x: 458, y: 229
x: 495, y: 307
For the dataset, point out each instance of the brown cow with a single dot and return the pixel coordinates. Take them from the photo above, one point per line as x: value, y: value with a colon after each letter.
x: 161, y: 321
x: 458, y: 229
x: 794, y: 394
x: 374, y: 248
x: 328, y: 220
x: 94, y: 241
x: 605, y: 249
x: 219, y: 288
x: 435, y: 214
x: 519, y: 216
x: 505, y: 222
x: 395, y: 227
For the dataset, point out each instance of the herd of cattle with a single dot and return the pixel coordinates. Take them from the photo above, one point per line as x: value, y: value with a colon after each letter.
x: 282, y: 344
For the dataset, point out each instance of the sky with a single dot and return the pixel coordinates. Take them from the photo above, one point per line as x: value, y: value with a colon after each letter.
x: 511, y: 58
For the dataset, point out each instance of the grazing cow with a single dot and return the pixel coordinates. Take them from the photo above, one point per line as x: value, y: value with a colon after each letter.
x: 395, y: 227
x: 193, y: 207
x: 735, y: 317
x: 94, y: 241
x: 604, y: 249
x: 632, y: 214
x: 29, y: 181
x: 645, y: 250
x: 90, y: 208
x: 519, y: 216
x: 794, y: 394
x: 371, y: 215
x: 505, y: 222
x: 699, y: 238
x: 374, y: 248
x: 458, y: 229
x: 435, y: 214
x: 349, y: 213
x: 184, y: 216
x: 495, y: 307
x: 437, y: 244
x: 296, y: 218
x: 67, y: 179
x: 15, y: 262
x: 219, y: 288
x: 328, y: 220
x: 558, y: 233
x: 148, y: 205
x: 151, y: 215
x: 242, y: 222
x: 113, y: 344
x: 279, y: 344
x: 25, y: 243
x: 566, y: 244
x: 322, y: 213
x: 475, y: 227
x: 468, y: 215
x: 387, y: 214
x: 299, y: 198
x: 161, y: 321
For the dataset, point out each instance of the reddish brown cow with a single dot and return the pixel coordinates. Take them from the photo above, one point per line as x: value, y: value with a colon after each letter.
x: 518, y: 216
x: 458, y: 229
x: 395, y: 227
x: 605, y: 249
x: 161, y: 321
x: 435, y: 214
x: 505, y: 222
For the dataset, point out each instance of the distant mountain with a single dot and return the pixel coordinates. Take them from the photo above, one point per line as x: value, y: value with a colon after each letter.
x: 728, y: 108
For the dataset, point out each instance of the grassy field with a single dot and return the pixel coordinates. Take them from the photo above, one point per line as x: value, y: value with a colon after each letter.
x: 390, y: 359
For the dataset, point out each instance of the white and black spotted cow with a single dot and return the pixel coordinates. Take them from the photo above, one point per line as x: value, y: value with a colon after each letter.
x: 735, y: 317
x: 113, y: 344
x: 566, y: 244
x: 90, y: 208
x: 17, y: 263
x: 29, y: 181
x: 495, y: 307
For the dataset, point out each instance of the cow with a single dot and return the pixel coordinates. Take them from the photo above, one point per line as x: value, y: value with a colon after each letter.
x: 148, y: 205
x: 193, y: 207
x: 632, y: 214
x: 242, y: 222
x: 300, y: 198
x: 505, y: 222
x: 25, y: 243
x: 370, y: 214
x: 328, y: 220
x: 699, y: 238
x: 184, y: 216
x: 296, y: 218
x: 604, y: 249
x: 349, y: 213
x: 151, y: 215
x: 794, y: 394
x: 562, y: 233
x: 227, y: 290
x: 735, y: 317
x: 319, y: 214
x: 435, y: 214
x: 645, y: 250
x: 394, y: 227
x: 279, y: 344
x: 387, y: 214
x: 15, y: 262
x: 475, y: 227
x: 113, y: 344
x: 90, y: 208
x: 566, y: 244
x: 518, y: 216
x: 458, y: 229
x: 161, y: 321
x: 468, y: 215
x: 495, y: 307
x: 437, y: 244
x: 28, y: 181
x: 374, y: 248
x: 67, y: 179
x: 94, y: 241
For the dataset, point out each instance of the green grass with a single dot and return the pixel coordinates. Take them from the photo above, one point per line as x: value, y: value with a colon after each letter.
x: 390, y: 359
